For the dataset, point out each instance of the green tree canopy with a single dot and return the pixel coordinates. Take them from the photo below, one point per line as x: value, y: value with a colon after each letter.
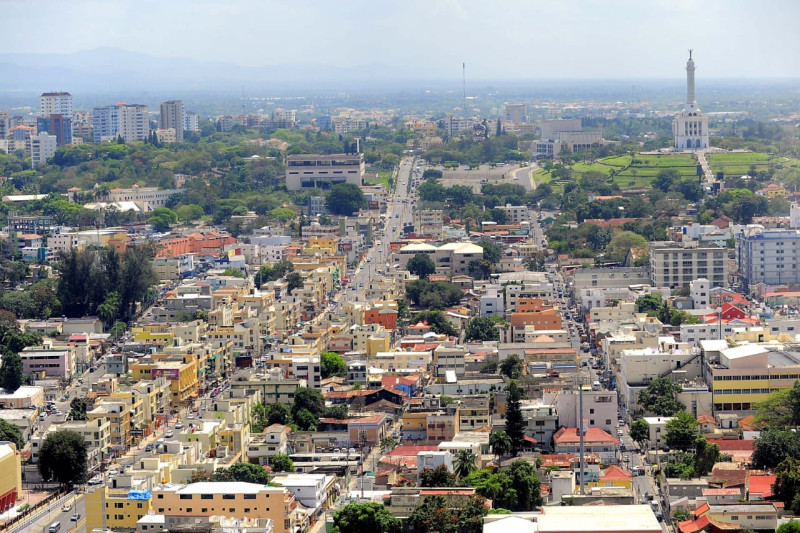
x: 681, y: 431
x: 481, y: 328
x: 449, y: 515
x: 491, y: 251
x: 421, y: 265
x: 623, y: 241
x: 640, y: 431
x: 515, y: 424
x: 78, y: 408
x: 500, y: 443
x: 787, y: 483
x: 309, y: 399
x: 464, y: 463
x: 437, y: 477
x: 774, y: 445
x: 365, y: 517
x: 345, y: 199
x: 781, y: 409
x: 437, y: 295
x: 437, y: 321
x: 661, y: 397
x: 62, y: 458
x: 11, y: 372
x: 792, y: 526
x: 332, y: 364
x: 511, y: 366
x: 294, y: 281
x: 11, y: 433
x: 245, y: 472
x: 281, y: 463
x: 648, y: 303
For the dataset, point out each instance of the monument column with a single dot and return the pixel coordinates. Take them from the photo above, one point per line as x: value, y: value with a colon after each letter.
x: 690, y: 80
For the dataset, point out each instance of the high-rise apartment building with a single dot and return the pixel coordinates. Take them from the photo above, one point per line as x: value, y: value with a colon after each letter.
x: 5, y: 124
x: 59, y: 103
x: 172, y: 116
x: 191, y: 121
x: 43, y: 146
x: 129, y: 121
x: 768, y: 256
x: 676, y: 265
x: 58, y: 125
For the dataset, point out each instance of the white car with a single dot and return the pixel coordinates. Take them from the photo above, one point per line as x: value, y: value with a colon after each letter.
x: 169, y: 434
x: 95, y: 481
x: 66, y: 507
x: 178, y: 425
x: 113, y: 472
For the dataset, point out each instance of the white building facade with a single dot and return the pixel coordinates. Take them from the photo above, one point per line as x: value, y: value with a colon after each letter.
x: 690, y: 127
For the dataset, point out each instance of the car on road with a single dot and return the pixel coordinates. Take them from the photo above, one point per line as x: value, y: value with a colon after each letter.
x: 113, y: 472
x: 95, y: 481
x: 178, y: 425
x: 169, y: 433
x: 59, y: 412
x: 148, y: 448
x: 75, y: 517
x: 66, y: 508
x: 625, y: 458
x: 190, y: 416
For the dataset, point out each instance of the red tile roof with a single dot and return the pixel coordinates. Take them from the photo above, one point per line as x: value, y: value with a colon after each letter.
x: 706, y: 419
x: 389, y: 381
x: 761, y: 484
x: 592, y: 435
x: 614, y: 472
x: 730, y: 445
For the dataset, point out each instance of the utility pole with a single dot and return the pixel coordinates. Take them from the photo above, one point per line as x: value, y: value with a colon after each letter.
x: 580, y: 431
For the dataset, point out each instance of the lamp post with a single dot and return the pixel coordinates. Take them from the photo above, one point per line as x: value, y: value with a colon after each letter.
x: 719, y: 321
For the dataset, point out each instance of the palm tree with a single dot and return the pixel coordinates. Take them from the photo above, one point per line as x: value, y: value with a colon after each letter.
x: 500, y: 443
x: 464, y: 463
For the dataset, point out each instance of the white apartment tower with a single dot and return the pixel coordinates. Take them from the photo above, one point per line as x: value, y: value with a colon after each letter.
x: 690, y: 127
x: 172, y: 116
x: 191, y: 121
x: 129, y: 121
x: 43, y: 146
x: 59, y: 103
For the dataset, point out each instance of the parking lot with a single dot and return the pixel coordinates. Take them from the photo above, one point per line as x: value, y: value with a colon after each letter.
x: 510, y: 173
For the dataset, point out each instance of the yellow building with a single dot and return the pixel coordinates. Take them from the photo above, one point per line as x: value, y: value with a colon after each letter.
x: 613, y: 476
x: 151, y: 333
x: 124, y: 412
x: 181, y: 374
x: 230, y: 499
x: 744, y: 375
x: 322, y: 246
x: 121, y: 512
x: 10, y: 477
x: 376, y: 344
x: 235, y: 437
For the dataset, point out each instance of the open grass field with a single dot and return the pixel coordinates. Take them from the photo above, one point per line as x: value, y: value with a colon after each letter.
x: 735, y: 164
x: 629, y: 172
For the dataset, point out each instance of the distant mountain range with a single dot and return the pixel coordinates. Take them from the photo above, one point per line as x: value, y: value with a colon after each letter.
x: 111, y: 69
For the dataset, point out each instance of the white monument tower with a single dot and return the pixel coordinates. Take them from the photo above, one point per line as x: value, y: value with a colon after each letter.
x: 690, y: 127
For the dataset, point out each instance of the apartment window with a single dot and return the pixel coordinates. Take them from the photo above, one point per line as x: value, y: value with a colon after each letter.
x: 228, y: 496
x: 206, y: 496
x: 186, y: 497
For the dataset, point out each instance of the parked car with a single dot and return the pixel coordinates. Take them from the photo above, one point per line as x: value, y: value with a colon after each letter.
x: 148, y: 448
x: 95, y: 481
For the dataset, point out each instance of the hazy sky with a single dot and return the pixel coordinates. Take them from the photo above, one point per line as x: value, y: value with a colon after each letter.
x: 496, y: 38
